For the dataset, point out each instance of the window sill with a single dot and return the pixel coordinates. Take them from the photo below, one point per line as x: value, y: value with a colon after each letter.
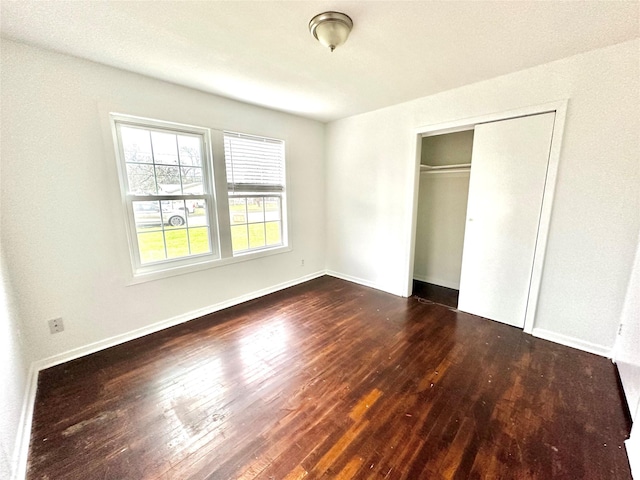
x: 204, y: 265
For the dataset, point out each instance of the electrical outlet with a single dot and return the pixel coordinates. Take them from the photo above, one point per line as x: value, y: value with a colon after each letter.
x: 56, y: 325
x: 302, y: 262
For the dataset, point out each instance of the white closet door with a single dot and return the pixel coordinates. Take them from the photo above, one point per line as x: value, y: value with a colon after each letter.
x: 508, y: 172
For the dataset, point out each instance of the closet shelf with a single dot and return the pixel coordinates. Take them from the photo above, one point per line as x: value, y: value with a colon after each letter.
x: 460, y: 167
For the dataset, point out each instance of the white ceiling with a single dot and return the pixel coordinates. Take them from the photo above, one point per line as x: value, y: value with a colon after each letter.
x: 261, y: 52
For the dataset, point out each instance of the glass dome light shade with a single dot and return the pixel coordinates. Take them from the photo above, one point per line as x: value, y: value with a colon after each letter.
x: 331, y: 29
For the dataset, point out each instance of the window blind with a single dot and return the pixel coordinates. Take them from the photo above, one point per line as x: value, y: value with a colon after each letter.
x: 254, y: 164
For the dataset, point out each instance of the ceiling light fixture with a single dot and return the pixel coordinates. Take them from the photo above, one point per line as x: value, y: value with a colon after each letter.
x: 331, y: 29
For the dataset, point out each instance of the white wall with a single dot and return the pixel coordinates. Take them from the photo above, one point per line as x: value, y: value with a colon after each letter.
x: 442, y: 208
x: 627, y: 357
x: 595, y: 221
x: 627, y: 348
x: 62, y: 221
x: 13, y: 377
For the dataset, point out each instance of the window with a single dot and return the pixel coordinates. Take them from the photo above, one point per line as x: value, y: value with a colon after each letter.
x: 174, y: 219
x: 256, y: 188
x: 167, y: 184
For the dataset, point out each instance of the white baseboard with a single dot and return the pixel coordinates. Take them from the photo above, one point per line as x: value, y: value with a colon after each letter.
x: 359, y: 281
x: 572, y: 342
x: 437, y: 281
x: 170, y: 322
x: 24, y: 429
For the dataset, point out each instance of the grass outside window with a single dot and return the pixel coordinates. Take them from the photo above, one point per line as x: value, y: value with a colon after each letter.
x: 181, y: 242
x: 256, y: 222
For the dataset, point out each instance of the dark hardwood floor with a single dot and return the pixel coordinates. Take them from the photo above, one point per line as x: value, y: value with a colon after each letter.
x: 331, y: 380
x: 436, y: 293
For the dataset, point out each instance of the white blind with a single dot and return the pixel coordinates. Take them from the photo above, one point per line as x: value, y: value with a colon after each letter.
x: 254, y: 164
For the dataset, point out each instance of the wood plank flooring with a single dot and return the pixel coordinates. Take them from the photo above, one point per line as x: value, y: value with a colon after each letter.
x: 331, y: 380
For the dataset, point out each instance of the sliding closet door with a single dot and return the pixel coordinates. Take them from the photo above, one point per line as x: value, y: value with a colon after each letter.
x: 507, y: 182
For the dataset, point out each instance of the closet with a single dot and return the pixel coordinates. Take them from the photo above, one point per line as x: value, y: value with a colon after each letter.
x: 479, y: 205
x: 442, y: 204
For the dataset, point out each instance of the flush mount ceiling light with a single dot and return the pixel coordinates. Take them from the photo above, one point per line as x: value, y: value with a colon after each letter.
x: 331, y: 29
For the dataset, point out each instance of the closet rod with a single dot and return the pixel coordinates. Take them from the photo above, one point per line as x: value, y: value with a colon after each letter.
x: 455, y: 168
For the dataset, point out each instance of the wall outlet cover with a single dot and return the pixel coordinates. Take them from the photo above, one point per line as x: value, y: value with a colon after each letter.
x: 56, y: 325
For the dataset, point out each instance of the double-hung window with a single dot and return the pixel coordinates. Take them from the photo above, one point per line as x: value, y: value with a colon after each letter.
x: 175, y: 216
x: 256, y: 191
x: 167, y: 179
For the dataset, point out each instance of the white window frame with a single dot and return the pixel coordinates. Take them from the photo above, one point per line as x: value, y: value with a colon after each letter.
x: 208, y: 193
x: 215, y: 190
x: 261, y: 191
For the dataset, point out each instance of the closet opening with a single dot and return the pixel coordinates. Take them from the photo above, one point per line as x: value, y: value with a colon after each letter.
x: 443, y: 188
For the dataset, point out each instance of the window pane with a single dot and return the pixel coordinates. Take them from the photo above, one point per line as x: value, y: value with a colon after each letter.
x: 151, y: 246
x: 274, y: 233
x: 177, y: 243
x: 239, y: 239
x: 174, y: 214
x: 147, y: 216
x: 189, y: 149
x: 256, y: 222
x: 272, y: 208
x: 256, y: 235
x: 197, y: 212
x: 136, y: 144
x: 237, y: 210
x: 255, y: 209
x: 192, y: 181
x: 165, y: 148
x: 199, y: 240
x: 141, y: 179
x: 168, y: 180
